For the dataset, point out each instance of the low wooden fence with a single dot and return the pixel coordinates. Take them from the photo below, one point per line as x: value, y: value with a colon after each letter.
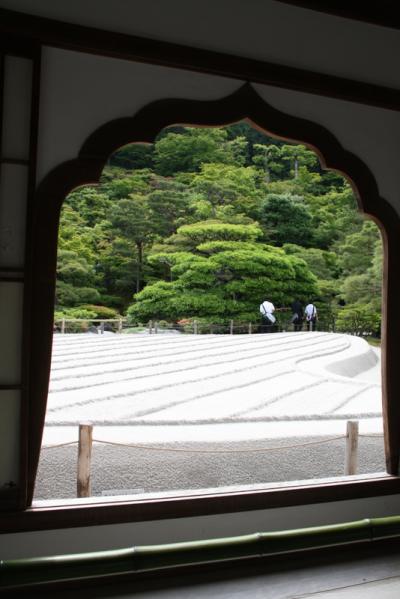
x: 86, y: 440
x: 153, y: 327
x: 100, y: 324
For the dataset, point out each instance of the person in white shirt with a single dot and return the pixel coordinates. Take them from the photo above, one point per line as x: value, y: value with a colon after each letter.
x: 267, y: 310
x: 310, y: 313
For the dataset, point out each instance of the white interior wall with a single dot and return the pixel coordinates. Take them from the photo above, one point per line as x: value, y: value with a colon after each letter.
x: 262, y: 29
x: 82, y: 92
x: 370, y: 133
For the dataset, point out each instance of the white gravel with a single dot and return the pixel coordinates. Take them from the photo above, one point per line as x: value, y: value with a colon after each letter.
x: 196, y: 386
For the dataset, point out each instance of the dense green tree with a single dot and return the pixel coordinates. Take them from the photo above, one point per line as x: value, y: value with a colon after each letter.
x: 285, y: 219
x: 226, y: 274
x: 361, y: 292
x: 76, y: 279
x: 168, y: 208
x: 253, y: 138
x: 357, y: 251
x: 358, y: 288
x: 228, y: 185
x: 133, y: 156
x: 88, y: 204
x: 213, y: 231
x: 334, y: 215
x: 268, y: 159
x: 186, y: 152
x: 284, y: 161
x: 132, y: 223
x: 298, y: 159
x: 189, y: 217
x: 118, y: 183
x: 323, y: 264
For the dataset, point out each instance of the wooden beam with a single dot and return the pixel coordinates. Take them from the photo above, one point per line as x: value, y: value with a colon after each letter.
x: 387, y: 16
x: 23, y: 29
x: 98, y: 511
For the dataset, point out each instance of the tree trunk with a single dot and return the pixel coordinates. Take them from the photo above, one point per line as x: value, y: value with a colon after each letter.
x: 296, y: 168
x: 139, y: 246
x: 267, y: 176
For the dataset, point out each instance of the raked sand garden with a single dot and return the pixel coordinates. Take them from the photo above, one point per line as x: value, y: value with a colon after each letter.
x: 199, y: 392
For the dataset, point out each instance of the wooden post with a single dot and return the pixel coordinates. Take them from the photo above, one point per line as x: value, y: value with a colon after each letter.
x: 120, y: 325
x: 211, y: 329
x: 351, y: 458
x: 150, y: 327
x: 231, y: 327
x: 63, y: 326
x: 84, y: 459
x: 155, y: 327
x: 195, y: 327
x: 102, y: 327
x: 250, y: 329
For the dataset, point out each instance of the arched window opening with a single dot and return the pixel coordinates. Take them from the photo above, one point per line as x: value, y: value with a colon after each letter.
x: 162, y: 273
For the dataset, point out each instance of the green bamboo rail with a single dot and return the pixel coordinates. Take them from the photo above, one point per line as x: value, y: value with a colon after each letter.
x: 35, y: 571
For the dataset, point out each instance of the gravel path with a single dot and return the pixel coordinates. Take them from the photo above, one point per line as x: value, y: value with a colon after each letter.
x: 118, y: 470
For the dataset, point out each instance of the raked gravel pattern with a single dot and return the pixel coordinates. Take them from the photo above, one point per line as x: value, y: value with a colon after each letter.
x: 264, y: 405
x: 204, y: 379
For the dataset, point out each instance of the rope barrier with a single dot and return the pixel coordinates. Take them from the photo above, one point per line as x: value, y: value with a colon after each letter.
x: 189, y: 450
x: 196, y: 327
x: 59, y: 445
x: 183, y: 449
x: 248, y: 450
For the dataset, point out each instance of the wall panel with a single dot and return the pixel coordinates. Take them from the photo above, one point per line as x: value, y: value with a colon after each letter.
x: 16, y: 108
x: 9, y: 439
x: 11, y: 301
x: 13, y: 207
x: 17, y: 177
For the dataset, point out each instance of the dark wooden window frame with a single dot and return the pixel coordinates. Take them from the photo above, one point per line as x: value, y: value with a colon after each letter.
x: 143, y: 127
x: 24, y: 35
x: 15, y: 496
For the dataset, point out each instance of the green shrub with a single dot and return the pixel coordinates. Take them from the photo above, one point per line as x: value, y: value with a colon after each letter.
x: 111, y: 300
x: 70, y: 313
x: 130, y: 330
x: 358, y: 319
x: 101, y: 311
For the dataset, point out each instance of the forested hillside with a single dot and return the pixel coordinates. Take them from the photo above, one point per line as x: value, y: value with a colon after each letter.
x: 207, y: 223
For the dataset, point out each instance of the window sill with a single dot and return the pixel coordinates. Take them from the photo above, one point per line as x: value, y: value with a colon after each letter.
x: 95, y: 511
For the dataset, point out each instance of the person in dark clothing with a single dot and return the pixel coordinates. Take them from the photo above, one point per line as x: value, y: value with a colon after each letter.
x: 297, y: 315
